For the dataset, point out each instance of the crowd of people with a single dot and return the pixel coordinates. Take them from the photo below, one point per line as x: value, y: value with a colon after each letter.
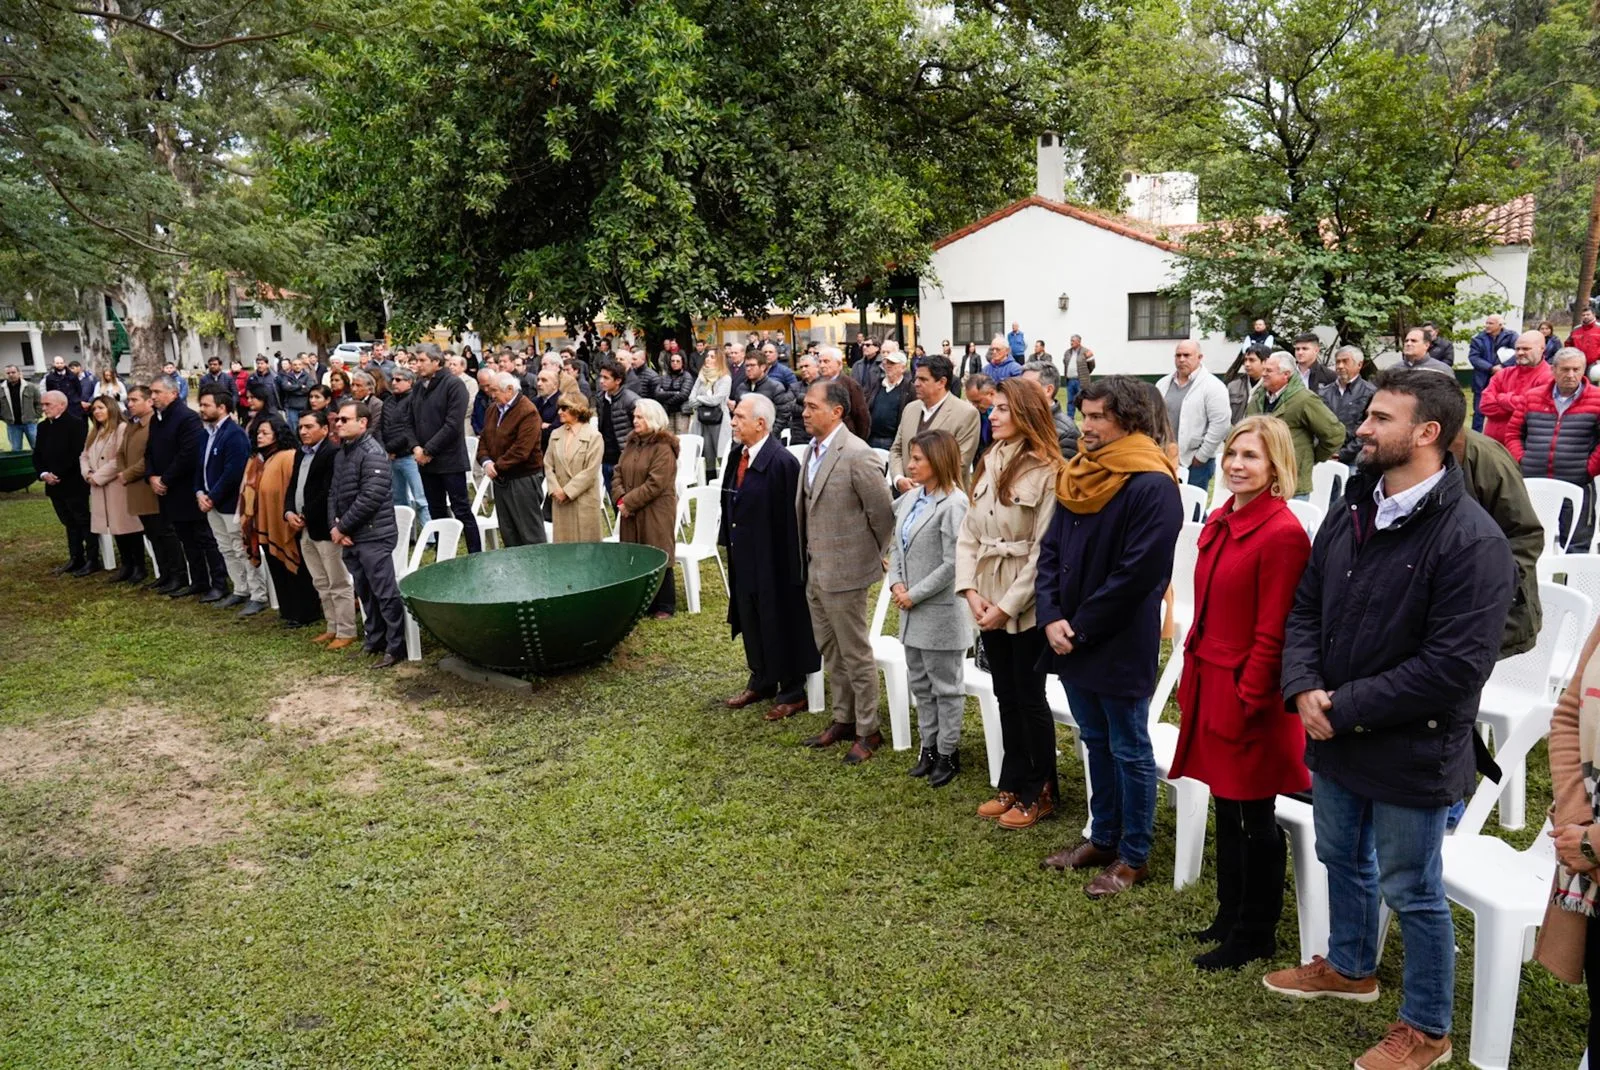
x: 1038, y: 536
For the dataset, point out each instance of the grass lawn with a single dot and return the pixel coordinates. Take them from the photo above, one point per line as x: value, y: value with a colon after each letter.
x: 223, y: 847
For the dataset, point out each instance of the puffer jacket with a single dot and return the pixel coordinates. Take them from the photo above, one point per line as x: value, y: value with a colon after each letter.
x: 361, y: 497
x: 672, y: 390
x: 398, y: 431
x: 780, y: 396
x: 1500, y: 397
x: 1350, y: 406
x: 1553, y: 445
x: 616, y: 421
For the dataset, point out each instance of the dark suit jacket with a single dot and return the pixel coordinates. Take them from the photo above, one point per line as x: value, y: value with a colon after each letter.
x: 222, y: 468
x: 56, y: 449
x: 318, y: 483
x: 177, y: 438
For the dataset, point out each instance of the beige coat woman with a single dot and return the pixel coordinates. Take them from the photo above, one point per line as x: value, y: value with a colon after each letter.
x: 572, y: 465
x: 997, y: 553
x: 108, y: 498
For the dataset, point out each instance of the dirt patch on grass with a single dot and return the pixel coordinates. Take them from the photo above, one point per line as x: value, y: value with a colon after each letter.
x: 158, y: 783
x: 340, y: 707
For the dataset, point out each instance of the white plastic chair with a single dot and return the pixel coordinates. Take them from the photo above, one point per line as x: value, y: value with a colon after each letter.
x: 155, y: 564
x: 1309, y: 515
x: 1185, y: 556
x: 977, y: 684
x: 108, y: 552
x: 488, y: 523
x: 1327, y: 479
x: 1520, y: 683
x: 691, y: 461
x: 799, y: 452
x: 404, y: 518
x: 1194, y: 501
x: 883, y: 461
x: 1310, y: 876
x: 1507, y: 891
x: 890, y: 658
x: 1191, y: 798
x: 448, y: 531
x: 707, y: 518
x: 1581, y: 572
x: 1547, y: 496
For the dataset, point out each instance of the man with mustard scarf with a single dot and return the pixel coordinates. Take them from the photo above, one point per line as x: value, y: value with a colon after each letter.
x: 1104, y: 566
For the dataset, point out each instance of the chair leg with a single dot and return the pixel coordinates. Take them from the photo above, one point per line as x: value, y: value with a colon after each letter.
x: 413, y: 638
x: 691, y: 585
x: 726, y: 589
x: 1496, y: 977
x: 1310, y: 892
x: 1169, y: 676
x: 1088, y: 786
x: 1514, y: 797
x: 896, y: 684
x: 816, y: 701
x: 989, y: 711
x: 1385, y: 919
x: 1193, y: 799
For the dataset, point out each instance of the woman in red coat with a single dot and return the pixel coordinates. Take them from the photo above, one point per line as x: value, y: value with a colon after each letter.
x: 1236, y: 736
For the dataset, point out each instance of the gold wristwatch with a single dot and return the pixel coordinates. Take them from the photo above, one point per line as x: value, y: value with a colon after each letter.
x: 1588, y: 848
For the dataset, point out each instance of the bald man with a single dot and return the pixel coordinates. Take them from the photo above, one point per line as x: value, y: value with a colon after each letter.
x: 55, y: 457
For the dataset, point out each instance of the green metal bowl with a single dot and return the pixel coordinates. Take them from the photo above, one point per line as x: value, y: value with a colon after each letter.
x: 16, y: 470
x: 536, y: 609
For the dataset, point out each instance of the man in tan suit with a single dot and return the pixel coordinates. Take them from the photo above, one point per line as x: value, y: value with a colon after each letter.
x: 846, y: 518
x: 936, y: 409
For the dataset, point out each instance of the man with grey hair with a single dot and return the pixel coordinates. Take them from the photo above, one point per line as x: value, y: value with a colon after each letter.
x: 56, y: 450
x: 1555, y: 434
x: 509, y: 451
x: 1347, y: 397
x: 1315, y: 431
x: 398, y: 437
x: 1198, y: 410
x: 1488, y: 353
x: 1043, y: 374
x: 767, y: 607
x: 1002, y: 365
x: 1414, y: 356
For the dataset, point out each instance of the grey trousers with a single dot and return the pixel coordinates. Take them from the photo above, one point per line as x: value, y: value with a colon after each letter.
x: 371, y: 566
x: 248, y: 580
x: 333, y: 588
x: 839, y: 623
x: 519, y: 506
x: 937, y: 684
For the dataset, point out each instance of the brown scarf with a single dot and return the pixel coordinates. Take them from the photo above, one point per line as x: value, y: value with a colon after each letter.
x: 1091, y: 479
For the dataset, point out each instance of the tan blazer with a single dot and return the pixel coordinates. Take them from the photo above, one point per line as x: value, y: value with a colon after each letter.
x: 957, y: 416
x: 576, y: 520
x: 846, y: 515
x: 997, y: 551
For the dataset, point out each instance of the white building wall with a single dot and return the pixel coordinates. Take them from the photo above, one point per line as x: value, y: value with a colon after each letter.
x: 50, y: 345
x: 255, y: 337
x: 1503, y: 274
x: 1031, y: 257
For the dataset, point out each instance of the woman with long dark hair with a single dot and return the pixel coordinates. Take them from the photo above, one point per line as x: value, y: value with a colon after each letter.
x: 264, y: 529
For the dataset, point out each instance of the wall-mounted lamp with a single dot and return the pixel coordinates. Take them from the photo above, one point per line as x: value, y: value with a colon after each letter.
x: 1062, y: 302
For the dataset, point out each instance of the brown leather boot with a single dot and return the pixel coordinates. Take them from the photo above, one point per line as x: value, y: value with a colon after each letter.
x: 997, y: 805
x: 1024, y: 817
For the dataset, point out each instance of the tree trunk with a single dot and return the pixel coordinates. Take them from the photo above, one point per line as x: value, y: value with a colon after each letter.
x: 146, y: 329
x: 93, y: 339
x: 1591, y: 248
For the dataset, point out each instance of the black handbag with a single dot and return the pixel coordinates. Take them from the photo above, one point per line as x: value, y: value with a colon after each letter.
x: 708, y: 415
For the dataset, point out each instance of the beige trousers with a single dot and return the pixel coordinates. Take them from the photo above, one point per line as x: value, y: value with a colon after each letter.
x: 332, y: 584
x: 839, y: 622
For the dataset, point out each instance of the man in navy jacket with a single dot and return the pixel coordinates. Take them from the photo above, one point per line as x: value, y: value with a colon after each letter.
x: 216, y: 490
x: 1396, y: 624
x: 1104, y: 566
x: 172, y: 461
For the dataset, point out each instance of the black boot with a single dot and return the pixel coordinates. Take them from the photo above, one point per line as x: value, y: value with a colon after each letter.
x: 1230, y: 874
x: 137, y: 576
x: 1255, y: 935
x: 945, y: 769
x: 925, y: 762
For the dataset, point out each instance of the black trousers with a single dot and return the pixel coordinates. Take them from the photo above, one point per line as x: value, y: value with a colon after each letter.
x: 451, y: 487
x: 1591, y: 976
x: 131, y: 549
x: 666, y: 599
x: 1026, y: 727
x: 1251, y: 857
x: 206, y: 567
x: 168, y: 550
x: 72, y: 509
x: 764, y: 678
x: 1577, y: 541
x: 371, y: 566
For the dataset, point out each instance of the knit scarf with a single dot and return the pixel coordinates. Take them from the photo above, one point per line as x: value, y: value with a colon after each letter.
x: 1578, y: 892
x: 1092, y: 478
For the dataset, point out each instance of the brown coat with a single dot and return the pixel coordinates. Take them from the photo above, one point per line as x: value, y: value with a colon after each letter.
x: 577, y: 519
x: 646, y: 484
x: 512, y: 444
x: 1560, y: 944
x: 108, y: 498
x: 142, y: 501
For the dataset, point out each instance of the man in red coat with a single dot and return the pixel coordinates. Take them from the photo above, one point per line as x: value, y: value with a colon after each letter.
x: 1507, y: 388
x: 1586, y: 336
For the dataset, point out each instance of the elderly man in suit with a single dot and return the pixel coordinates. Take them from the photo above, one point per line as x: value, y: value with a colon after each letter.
x: 509, y: 451
x: 55, y: 458
x: 174, y: 452
x: 936, y: 409
x: 845, y: 519
x: 768, y: 607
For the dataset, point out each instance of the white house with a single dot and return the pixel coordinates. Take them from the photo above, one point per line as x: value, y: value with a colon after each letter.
x: 1058, y: 269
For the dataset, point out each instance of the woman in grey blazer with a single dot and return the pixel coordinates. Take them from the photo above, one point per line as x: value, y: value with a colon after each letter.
x: 935, y: 626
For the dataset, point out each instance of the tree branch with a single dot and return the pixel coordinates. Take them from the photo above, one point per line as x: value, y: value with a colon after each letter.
x: 194, y: 46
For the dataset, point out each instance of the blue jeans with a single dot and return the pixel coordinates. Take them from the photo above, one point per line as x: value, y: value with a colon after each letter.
x: 1200, y: 474
x: 1122, y: 768
x: 20, y: 431
x: 1074, y: 388
x: 1371, y: 847
x: 407, y: 482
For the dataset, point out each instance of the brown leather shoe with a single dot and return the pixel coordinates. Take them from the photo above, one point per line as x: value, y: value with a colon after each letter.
x: 1084, y: 854
x: 741, y: 700
x: 836, y: 732
x: 340, y: 644
x: 784, y: 709
x: 323, y: 638
x: 863, y: 748
x: 1024, y: 817
x: 1115, y: 879
x: 997, y: 805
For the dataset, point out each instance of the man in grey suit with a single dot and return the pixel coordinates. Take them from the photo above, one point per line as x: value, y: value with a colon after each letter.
x: 846, y: 519
x: 936, y: 409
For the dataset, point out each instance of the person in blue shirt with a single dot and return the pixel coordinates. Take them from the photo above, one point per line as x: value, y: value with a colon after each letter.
x: 1017, y: 342
x: 171, y: 369
x: 1002, y: 360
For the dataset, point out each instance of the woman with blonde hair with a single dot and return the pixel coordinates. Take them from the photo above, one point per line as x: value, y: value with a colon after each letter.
x: 111, y: 387
x: 997, y: 557
x: 109, y: 513
x: 572, y: 473
x: 645, y: 488
x: 1235, y: 737
x: 708, y: 409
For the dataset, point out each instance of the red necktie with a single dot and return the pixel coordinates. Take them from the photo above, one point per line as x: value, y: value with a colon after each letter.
x: 744, y: 465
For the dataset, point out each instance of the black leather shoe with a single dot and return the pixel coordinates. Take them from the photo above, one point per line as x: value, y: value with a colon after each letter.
x: 185, y: 591
x: 388, y: 661
x: 62, y: 570
x: 213, y: 596
x: 231, y: 601
x: 136, y: 578
x: 945, y: 768
x: 85, y: 569
x: 166, y: 586
x: 159, y: 581
x: 925, y: 762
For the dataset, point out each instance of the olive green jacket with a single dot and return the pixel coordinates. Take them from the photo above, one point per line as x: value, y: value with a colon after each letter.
x: 1316, y: 432
x: 1495, y: 482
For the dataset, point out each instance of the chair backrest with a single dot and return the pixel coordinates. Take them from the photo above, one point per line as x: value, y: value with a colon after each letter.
x: 1510, y: 753
x: 880, y: 612
x: 1310, y: 516
x: 1185, y: 557
x: 479, y: 495
x: 472, y: 448
x: 1529, y: 672
x: 1547, y: 496
x: 448, y: 531
x: 1183, y: 475
x: 707, y: 503
x: 883, y: 460
x: 799, y: 452
x: 691, y: 450
x: 405, y: 518
x: 1581, y: 572
x: 1194, y: 501
x: 1327, y: 480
